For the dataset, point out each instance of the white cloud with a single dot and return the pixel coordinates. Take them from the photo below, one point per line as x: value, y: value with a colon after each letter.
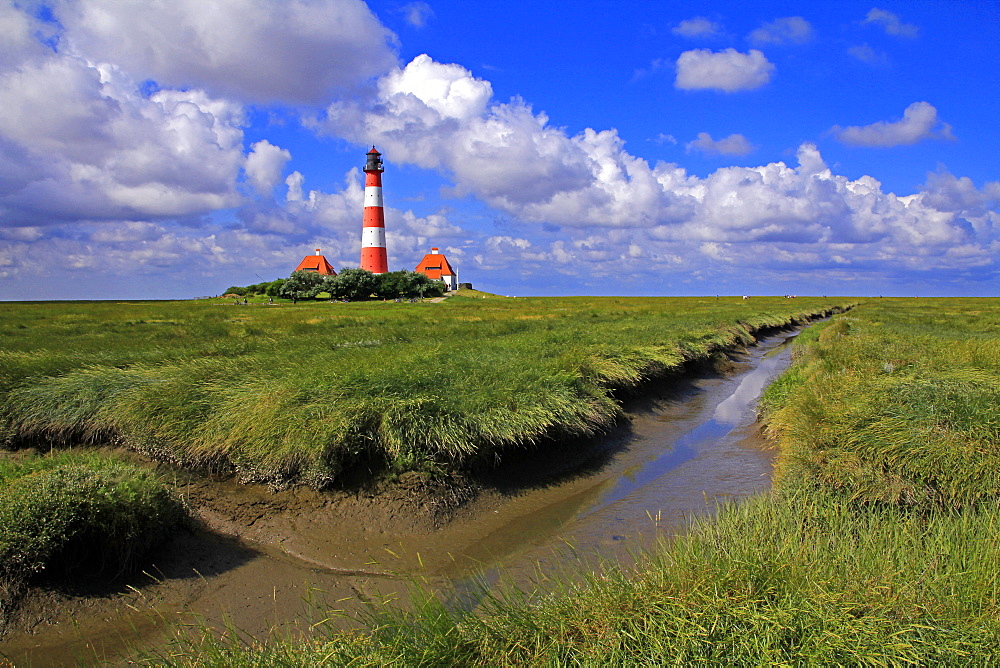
x: 264, y: 165
x: 294, y: 182
x: 920, y: 121
x: 866, y: 54
x: 17, y: 36
x: 445, y: 89
x: 272, y: 240
x: 786, y: 30
x: 80, y: 140
x: 21, y: 233
x: 252, y: 50
x: 699, y: 26
x: 83, y: 143
x: 728, y: 70
x: 436, y: 115
x: 512, y: 159
x: 125, y: 232
x: 417, y: 13
x: 734, y: 144
x: 891, y: 23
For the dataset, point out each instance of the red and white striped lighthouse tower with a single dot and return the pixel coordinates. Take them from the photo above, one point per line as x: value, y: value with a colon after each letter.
x: 373, y: 257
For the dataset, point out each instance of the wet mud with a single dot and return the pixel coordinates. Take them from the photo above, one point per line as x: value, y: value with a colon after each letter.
x: 260, y: 561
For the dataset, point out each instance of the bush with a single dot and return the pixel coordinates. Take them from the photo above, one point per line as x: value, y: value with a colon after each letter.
x: 84, y: 512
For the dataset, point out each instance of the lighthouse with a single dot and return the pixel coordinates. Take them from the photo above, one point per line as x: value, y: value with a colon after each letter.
x: 373, y: 257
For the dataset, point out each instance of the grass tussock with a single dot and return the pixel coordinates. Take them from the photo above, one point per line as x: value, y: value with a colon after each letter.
x: 896, y: 403
x: 300, y: 394
x: 82, y: 514
x: 878, y: 546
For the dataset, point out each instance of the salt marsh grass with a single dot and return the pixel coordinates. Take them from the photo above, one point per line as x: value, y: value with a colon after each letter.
x: 896, y: 402
x: 285, y: 393
x: 878, y: 545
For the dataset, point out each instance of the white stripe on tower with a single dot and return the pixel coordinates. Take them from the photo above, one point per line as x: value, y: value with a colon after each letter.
x: 373, y: 196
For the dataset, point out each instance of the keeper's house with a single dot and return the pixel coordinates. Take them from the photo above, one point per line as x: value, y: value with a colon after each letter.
x: 316, y: 263
x: 435, y: 266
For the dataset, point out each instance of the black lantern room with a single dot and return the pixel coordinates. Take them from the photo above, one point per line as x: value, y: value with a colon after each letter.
x: 374, y: 163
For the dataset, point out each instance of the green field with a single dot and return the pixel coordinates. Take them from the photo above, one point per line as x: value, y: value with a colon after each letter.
x: 878, y: 546
x: 299, y: 394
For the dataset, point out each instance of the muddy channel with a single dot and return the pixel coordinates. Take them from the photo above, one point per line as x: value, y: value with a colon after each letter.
x: 262, y: 561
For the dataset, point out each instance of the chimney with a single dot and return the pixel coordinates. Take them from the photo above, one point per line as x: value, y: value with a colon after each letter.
x: 317, y: 251
x: 434, y: 251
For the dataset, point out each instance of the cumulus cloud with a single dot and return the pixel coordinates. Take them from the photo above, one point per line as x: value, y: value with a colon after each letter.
x: 734, y: 144
x: 18, y: 40
x: 294, y: 183
x: 781, y: 31
x: 436, y: 115
x: 293, y: 51
x: 80, y: 141
x: 417, y: 13
x: 891, y: 23
x: 728, y: 70
x: 267, y: 240
x: 84, y: 143
x: 920, y: 121
x: 264, y: 165
x: 699, y: 26
x: 590, y: 203
x: 83, y: 139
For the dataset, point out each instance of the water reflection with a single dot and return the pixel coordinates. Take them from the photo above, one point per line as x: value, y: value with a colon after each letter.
x: 735, y: 411
x: 663, y: 478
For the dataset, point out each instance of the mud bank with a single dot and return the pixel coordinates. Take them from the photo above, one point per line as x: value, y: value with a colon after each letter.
x: 266, y: 560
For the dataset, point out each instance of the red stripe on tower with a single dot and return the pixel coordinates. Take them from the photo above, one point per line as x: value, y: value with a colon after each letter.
x: 373, y: 256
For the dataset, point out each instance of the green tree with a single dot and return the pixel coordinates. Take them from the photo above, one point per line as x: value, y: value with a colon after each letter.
x: 352, y: 284
x: 426, y: 287
x: 393, y: 284
x: 407, y: 284
x: 273, y: 288
x: 302, y: 285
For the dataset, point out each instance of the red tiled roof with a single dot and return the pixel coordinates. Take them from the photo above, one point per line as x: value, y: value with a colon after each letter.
x: 435, y: 265
x: 316, y: 263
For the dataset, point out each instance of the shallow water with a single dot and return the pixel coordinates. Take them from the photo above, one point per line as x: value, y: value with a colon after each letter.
x: 682, y: 459
x: 679, y: 457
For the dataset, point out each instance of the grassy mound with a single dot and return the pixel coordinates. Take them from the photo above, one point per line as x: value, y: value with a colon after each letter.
x: 85, y: 514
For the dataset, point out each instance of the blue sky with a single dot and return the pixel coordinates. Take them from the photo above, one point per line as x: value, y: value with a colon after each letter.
x: 171, y: 149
